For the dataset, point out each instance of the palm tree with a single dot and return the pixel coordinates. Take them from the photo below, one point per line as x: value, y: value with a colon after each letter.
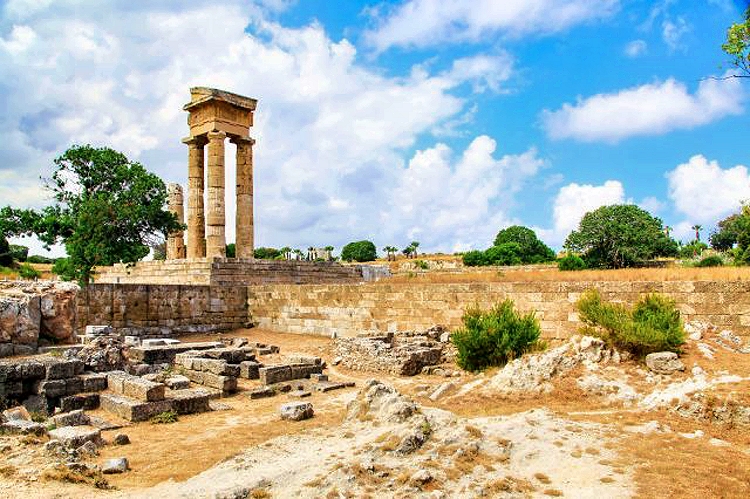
x: 390, y: 251
x: 667, y: 230
x: 414, y: 245
x: 697, y: 229
x: 287, y: 252
x: 297, y: 253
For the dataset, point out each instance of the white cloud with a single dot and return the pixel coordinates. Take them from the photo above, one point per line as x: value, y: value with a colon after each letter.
x: 573, y: 201
x: 330, y: 132
x: 652, y: 205
x: 636, y: 48
x: 423, y: 23
x: 704, y: 192
x: 459, y: 202
x: 673, y: 31
x: 650, y: 109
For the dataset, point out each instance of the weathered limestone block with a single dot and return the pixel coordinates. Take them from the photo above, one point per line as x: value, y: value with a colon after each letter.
x: 249, y: 369
x: 166, y: 353
x: 274, y: 374
x: 664, y: 362
x: 223, y: 383
x: 61, y: 369
x: 58, y: 311
x: 87, y: 401
x: 23, y: 427
x: 51, y: 388
x: 133, y: 410
x: 20, y: 316
x: 93, y: 382
x: 301, y: 371
x: 135, y: 387
x: 262, y: 392
x: 231, y: 355
x: 73, y: 437
x: 297, y: 411
x: 177, y: 382
x: 189, y: 401
x: 73, y: 418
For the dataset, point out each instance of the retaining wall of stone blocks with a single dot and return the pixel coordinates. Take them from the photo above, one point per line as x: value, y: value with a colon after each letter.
x: 347, y: 310
x: 153, y: 309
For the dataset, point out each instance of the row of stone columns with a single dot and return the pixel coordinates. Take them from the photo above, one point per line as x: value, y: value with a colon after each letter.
x: 206, y: 228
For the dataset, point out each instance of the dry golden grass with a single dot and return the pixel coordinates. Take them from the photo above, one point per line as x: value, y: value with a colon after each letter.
x: 508, y: 274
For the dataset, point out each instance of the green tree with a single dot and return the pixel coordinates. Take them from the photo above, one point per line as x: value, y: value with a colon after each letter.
x: 390, y: 252
x: 359, y: 251
x: 617, y: 236
x: 727, y: 230
x: 697, y: 229
x: 19, y: 253
x: 737, y: 45
x: 266, y: 253
x: 6, y: 257
x: 532, y: 250
x: 504, y: 254
x: 107, y: 209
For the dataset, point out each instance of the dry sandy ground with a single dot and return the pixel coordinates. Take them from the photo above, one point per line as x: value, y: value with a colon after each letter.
x: 567, y: 443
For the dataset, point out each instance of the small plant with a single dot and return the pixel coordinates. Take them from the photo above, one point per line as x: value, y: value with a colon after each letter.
x: 710, y: 261
x: 494, y: 337
x: 652, y: 325
x: 571, y: 262
x: 38, y: 417
x: 421, y: 264
x: 166, y: 417
x: 28, y: 272
x: 426, y: 429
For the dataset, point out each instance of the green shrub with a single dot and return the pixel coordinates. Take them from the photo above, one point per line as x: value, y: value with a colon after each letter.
x: 266, y: 253
x: 39, y: 259
x: 652, y: 325
x: 504, y: 254
x: 28, y: 272
x: 421, y: 264
x: 710, y: 261
x: 493, y: 337
x: 571, y: 262
x: 6, y: 257
x: 473, y: 258
x: 359, y: 251
x: 166, y: 417
x: 19, y: 253
x: 692, y: 249
x: 65, y: 269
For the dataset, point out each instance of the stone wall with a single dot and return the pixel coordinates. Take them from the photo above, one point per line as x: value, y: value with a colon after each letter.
x: 351, y: 309
x: 152, y: 309
x: 232, y: 272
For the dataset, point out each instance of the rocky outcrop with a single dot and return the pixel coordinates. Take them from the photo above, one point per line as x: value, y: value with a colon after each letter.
x: 34, y: 312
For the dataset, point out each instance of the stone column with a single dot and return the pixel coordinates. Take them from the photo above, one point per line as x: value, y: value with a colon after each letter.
x: 215, y: 217
x: 175, y: 240
x: 245, y: 241
x: 196, y: 240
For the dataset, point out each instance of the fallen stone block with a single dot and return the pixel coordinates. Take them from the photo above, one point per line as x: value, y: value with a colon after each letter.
x: 51, y: 388
x: 318, y: 377
x: 327, y: 386
x: 223, y: 383
x: 135, y: 387
x: 299, y: 394
x: 305, y: 359
x: 177, y: 382
x: 121, y: 439
x: 249, y: 369
x: 73, y: 437
x: 231, y: 355
x: 262, y: 392
x: 16, y: 414
x: 664, y: 362
x: 302, y: 371
x: 62, y: 369
x: 73, y: 386
x: 94, y: 382
x: 189, y: 401
x: 23, y: 427
x: 297, y: 411
x: 166, y: 353
x: 87, y: 401
x: 274, y: 374
x: 115, y: 466
x: 72, y: 418
x: 133, y: 410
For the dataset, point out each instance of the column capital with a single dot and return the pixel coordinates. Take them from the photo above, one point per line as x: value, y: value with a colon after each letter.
x: 216, y: 135
x: 235, y: 139
x: 199, y: 141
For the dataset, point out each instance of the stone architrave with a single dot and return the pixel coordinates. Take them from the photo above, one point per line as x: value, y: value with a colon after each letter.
x: 175, y: 240
x: 213, y: 116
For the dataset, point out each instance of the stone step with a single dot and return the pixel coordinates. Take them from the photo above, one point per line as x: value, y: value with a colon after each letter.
x: 131, y: 409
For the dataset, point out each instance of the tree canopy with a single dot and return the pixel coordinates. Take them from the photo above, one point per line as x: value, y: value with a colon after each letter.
x: 737, y: 45
x: 620, y: 235
x: 532, y: 250
x: 359, y: 251
x: 107, y: 209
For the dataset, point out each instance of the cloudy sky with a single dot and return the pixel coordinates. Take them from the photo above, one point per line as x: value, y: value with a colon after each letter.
x: 440, y: 121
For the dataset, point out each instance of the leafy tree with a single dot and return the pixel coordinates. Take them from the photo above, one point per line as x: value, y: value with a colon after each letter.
x: 726, y: 233
x: 107, y: 209
x: 40, y: 259
x: 19, y: 253
x: 737, y: 45
x: 160, y: 250
x: 571, y: 262
x: 532, y: 250
x: 617, y: 236
x: 286, y: 252
x: 474, y: 258
x: 504, y: 254
x: 692, y: 249
x: 266, y: 253
x: 65, y: 269
x: 359, y: 251
x: 6, y: 257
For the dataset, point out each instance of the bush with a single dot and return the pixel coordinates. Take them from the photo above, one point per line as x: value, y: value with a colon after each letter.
x: 359, y: 251
x: 421, y: 264
x: 710, y: 261
x: 19, y: 253
x: 693, y: 248
x: 473, y: 258
x: 39, y: 259
x: 6, y: 257
x: 493, y: 337
x: 166, y: 417
x: 571, y: 262
x: 266, y: 253
x: 64, y: 268
x: 504, y: 254
x: 653, y: 324
x: 531, y: 249
x: 26, y: 271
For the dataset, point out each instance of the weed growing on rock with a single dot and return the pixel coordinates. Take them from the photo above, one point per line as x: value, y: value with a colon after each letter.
x: 166, y: 417
x: 494, y: 337
x: 652, y: 325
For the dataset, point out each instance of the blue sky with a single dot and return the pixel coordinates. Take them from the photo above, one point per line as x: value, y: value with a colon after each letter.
x: 440, y: 121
